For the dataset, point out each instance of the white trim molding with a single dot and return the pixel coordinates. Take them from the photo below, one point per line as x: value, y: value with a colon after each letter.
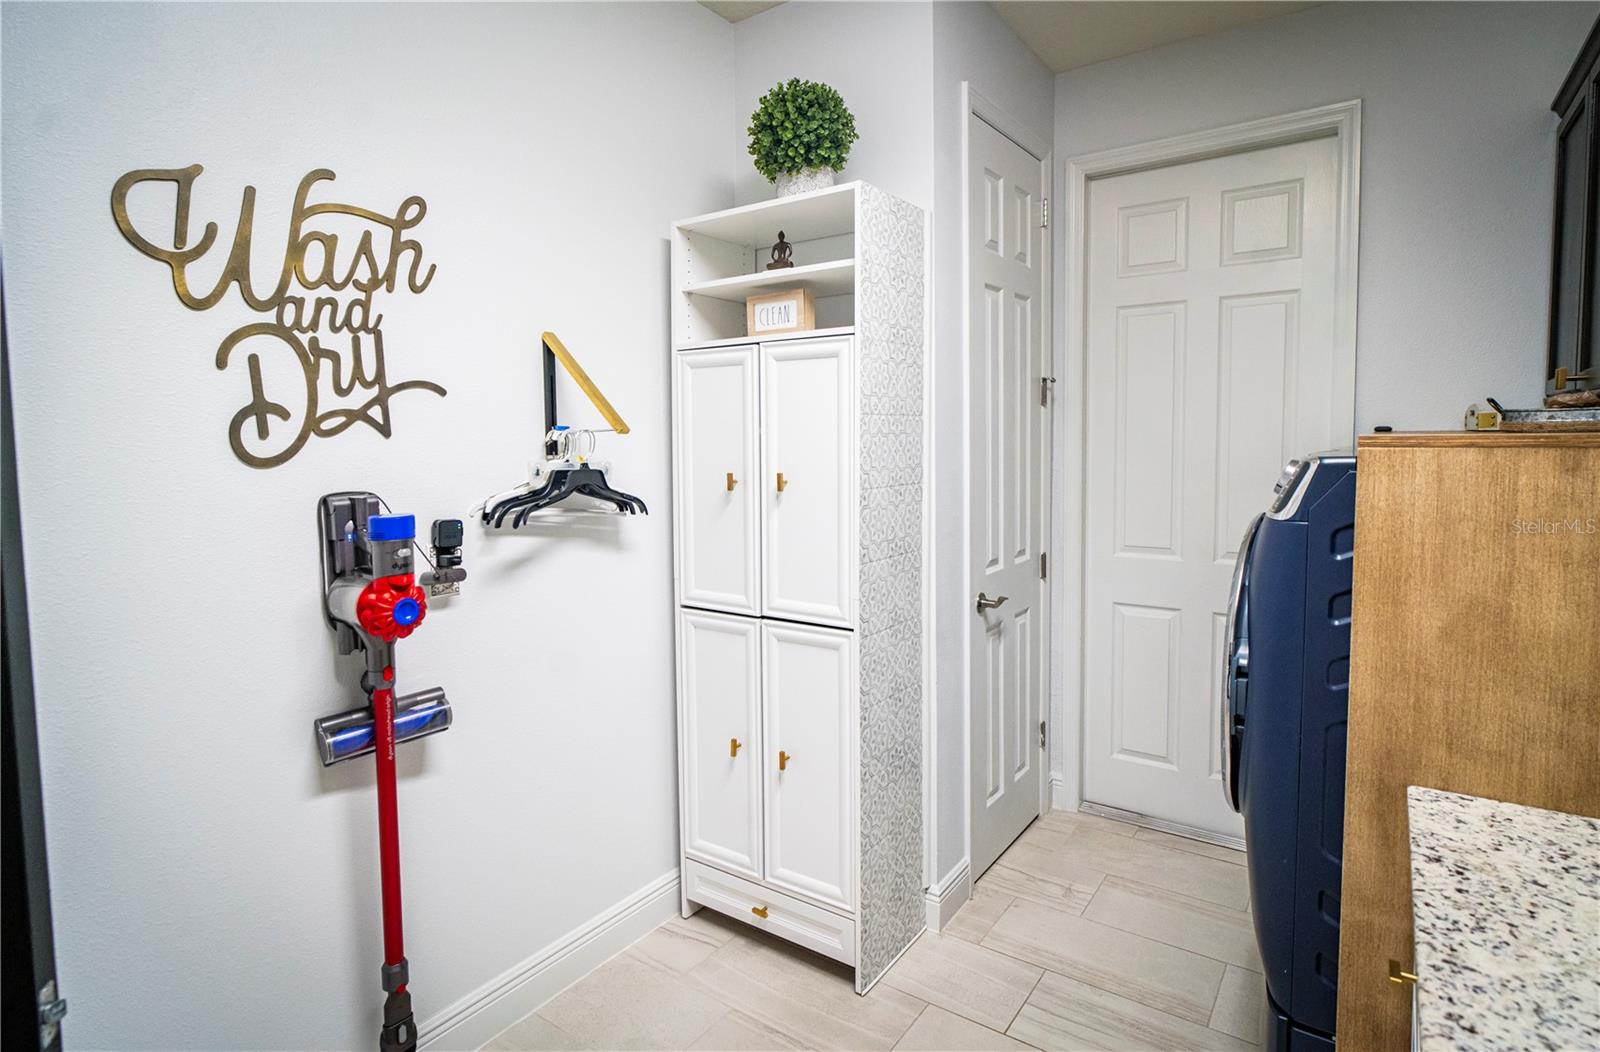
x: 1340, y: 121
x: 995, y: 115
x: 1133, y: 818
x: 486, y: 1011
x: 1061, y: 797
x: 930, y: 560
x: 949, y: 895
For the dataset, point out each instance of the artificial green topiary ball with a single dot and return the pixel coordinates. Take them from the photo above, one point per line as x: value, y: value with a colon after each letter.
x: 800, y: 125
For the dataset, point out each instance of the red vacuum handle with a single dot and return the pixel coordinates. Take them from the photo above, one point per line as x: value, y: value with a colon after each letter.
x: 388, y: 827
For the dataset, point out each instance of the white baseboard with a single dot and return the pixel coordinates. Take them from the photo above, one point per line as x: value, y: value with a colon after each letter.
x: 503, y: 1000
x: 949, y: 895
x: 1061, y: 797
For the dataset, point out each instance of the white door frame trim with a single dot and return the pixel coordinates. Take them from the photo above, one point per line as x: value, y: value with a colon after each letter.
x: 975, y: 104
x: 1341, y: 121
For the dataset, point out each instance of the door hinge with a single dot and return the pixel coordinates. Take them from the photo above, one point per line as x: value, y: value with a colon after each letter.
x: 52, y: 1010
x: 1044, y: 213
x: 1044, y: 391
x: 1044, y: 565
x: 1041, y: 734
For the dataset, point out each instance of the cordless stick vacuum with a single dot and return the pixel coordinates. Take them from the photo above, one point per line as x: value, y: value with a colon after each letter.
x: 372, y: 600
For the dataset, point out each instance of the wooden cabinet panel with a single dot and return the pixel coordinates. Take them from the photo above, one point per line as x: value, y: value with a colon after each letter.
x: 1474, y: 666
x: 718, y: 505
x: 807, y: 428
x: 809, y: 676
x: 721, y: 686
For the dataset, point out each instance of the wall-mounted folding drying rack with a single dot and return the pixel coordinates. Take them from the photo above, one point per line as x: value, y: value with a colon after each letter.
x: 567, y: 470
x: 556, y: 351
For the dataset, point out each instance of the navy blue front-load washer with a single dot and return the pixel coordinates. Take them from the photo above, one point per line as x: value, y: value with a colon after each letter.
x: 1285, y: 684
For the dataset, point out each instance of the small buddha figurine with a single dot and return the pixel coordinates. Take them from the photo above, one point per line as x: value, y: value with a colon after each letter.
x: 780, y: 254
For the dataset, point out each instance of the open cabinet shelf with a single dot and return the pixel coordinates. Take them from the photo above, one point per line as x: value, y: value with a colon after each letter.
x: 739, y: 341
x: 810, y: 216
x: 720, y: 259
x: 835, y: 277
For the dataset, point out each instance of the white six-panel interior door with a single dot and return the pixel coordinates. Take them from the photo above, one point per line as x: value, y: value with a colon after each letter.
x: 1009, y: 488
x: 1211, y: 360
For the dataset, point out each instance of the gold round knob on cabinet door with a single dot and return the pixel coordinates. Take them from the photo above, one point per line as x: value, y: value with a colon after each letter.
x: 783, y: 760
x: 732, y: 482
x: 733, y: 746
x: 782, y: 482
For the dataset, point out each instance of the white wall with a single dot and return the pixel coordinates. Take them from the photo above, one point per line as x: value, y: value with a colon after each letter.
x: 878, y: 57
x: 971, y: 44
x: 1456, y: 174
x: 213, y: 885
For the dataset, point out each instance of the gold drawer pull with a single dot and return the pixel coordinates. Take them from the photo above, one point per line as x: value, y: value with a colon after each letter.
x: 733, y: 746
x: 759, y: 911
x: 783, y: 760
x: 1399, y: 975
x: 782, y: 482
x: 732, y: 482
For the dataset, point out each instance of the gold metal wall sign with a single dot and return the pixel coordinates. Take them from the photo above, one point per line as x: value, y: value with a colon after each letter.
x: 301, y: 321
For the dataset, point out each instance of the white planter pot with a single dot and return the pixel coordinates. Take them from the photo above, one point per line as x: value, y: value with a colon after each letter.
x: 804, y: 181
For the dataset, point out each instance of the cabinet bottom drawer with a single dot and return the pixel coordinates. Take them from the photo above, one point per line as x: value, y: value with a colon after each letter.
x: 799, y: 922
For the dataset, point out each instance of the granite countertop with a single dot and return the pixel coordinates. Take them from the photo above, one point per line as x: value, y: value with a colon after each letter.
x: 1505, y: 902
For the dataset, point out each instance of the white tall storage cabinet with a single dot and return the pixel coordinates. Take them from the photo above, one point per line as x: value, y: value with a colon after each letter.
x: 797, y: 482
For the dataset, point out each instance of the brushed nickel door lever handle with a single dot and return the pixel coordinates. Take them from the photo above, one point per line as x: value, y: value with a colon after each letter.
x: 985, y: 603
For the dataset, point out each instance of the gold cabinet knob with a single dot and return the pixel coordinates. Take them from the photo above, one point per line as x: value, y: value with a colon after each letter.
x: 759, y: 911
x: 783, y: 760
x: 732, y: 482
x: 733, y: 746
x: 782, y: 482
x: 1398, y: 974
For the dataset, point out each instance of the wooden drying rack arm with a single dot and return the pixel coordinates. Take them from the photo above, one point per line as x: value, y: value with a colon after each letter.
x: 555, y: 350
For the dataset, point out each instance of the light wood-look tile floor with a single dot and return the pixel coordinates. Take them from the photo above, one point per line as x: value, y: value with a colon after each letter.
x: 1087, y: 934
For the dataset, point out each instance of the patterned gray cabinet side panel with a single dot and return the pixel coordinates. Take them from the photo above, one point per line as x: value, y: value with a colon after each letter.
x: 891, y: 357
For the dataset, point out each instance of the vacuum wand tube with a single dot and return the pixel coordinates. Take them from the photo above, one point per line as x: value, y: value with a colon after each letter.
x: 373, y: 600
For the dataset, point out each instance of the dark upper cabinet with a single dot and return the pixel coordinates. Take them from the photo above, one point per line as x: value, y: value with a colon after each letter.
x: 1575, y: 277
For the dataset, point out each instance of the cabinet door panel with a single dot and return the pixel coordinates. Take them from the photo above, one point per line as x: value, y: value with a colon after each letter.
x: 721, y: 702
x: 809, y: 705
x: 808, y: 437
x: 717, y: 458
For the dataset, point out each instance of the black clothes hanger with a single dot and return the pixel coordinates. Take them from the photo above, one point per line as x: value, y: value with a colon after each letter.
x: 562, y: 482
x: 590, y: 482
x: 501, y: 507
x: 557, y: 487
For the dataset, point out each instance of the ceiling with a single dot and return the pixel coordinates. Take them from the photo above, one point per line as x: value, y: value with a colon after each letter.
x: 739, y: 10
x: 1066, y: 34
x: 1073, y: 33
